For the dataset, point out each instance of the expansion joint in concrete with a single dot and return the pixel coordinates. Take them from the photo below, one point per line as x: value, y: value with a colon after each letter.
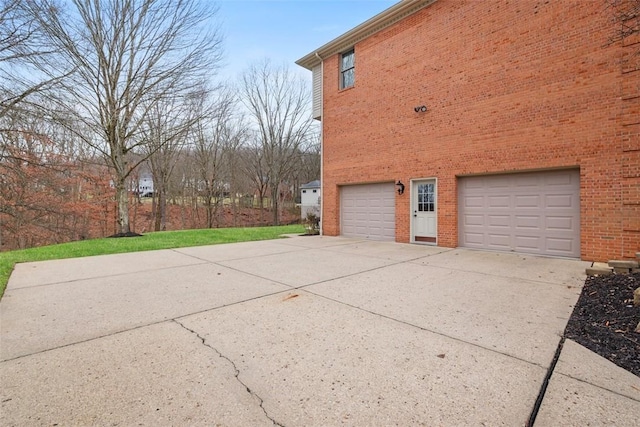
x: 545, y: 384
x: 236, y: 372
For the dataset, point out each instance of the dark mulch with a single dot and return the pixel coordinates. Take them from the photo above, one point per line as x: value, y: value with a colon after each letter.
x: 129, y: 234
x: 604, y: 319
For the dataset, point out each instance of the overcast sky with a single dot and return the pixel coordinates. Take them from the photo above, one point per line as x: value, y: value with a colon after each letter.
x: 286, y: 30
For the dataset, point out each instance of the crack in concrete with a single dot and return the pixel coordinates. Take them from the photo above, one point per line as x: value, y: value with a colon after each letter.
x: 236, y: 373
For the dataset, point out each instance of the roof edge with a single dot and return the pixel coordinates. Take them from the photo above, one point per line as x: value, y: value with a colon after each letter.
x: 312, y: 184
x: 378, y: 23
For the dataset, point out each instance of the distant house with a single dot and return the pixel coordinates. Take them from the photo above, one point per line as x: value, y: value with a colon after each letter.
x: 145, y: 184
x: 310, y: 198
x: 141, y: 184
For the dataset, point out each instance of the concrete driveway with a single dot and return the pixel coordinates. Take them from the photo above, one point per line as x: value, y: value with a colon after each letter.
x: 304, y: 331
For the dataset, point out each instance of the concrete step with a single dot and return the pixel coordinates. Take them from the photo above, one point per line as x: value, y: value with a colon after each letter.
x: 598, y: 272
x: 623, y: 264
x: 599, y: 269
x: 614, y: 266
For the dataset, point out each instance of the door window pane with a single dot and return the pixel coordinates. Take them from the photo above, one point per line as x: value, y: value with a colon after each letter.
x: 426, y: 198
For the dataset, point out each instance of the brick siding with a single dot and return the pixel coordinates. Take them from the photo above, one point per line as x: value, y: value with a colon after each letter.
x: 509, y: 86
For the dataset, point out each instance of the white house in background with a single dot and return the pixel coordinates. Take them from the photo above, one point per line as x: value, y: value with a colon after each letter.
x: 310, y: 198
x: 145, y: 184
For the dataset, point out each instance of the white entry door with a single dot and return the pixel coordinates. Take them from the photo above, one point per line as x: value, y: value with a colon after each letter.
x: 424, y: 205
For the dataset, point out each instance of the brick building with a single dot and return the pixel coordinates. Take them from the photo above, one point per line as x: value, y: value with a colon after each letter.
x: 512, y: 125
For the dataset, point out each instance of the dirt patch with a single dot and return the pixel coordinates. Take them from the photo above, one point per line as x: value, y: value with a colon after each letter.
x: 604, y: 319
x: 290, y: 296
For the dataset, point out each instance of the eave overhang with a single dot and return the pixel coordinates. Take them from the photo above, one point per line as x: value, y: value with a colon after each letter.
x: 378, y: 23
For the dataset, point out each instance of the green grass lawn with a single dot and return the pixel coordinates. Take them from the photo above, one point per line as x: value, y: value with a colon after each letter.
x: 148, y: 242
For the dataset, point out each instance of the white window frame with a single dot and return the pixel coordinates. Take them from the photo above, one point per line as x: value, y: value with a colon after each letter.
x: 343, y: 85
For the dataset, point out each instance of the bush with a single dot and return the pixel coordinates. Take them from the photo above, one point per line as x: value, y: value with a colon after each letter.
x: 312, y: 223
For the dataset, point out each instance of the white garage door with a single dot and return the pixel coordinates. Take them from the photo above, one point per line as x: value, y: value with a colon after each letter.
x: 368, y: 211
x: 535, y: 213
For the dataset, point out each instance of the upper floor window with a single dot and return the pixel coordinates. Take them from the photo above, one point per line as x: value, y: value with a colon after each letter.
x: 347, y: 69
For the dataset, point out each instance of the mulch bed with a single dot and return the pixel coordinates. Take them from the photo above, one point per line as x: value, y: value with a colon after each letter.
x: 604, y: 319
x: 129, y: 234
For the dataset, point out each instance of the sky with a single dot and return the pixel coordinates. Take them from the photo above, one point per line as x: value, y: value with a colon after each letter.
x: 286, y: 30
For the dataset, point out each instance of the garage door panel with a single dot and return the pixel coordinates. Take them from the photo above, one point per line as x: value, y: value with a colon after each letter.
x: 528, y: 222
x: 526, y: 181
x: 493, y: 184
x: 529, y: 212
x: 471, y: 185
x: 498, y: 241
x: 471, y: 220
x: 474, y: 239
x: 560, y: 201
x: 499, y: 201
x: 561, y: 223
x: 368, y: 211
x: 474, y: 202
x: 499, y: 221
x: 527, y: 201
x: 562, y: 178
x: 528, y: 243
x: 560, y: 246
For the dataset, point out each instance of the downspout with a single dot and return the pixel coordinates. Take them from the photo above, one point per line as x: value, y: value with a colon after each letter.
x: 321, y: 143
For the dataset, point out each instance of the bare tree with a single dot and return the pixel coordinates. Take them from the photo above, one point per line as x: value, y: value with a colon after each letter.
x: 165, y: 132
x: 50, y: 191
x: 309, y: 162
x: 255, y: 168
x: 183, y: 184
x: 232, y: 171
x: 278, y: 104
x: 215, y: 140
x: 128, y: 56
x: 22, y: 48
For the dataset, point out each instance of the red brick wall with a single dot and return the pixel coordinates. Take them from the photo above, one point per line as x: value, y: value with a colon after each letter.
x: 510, y: 86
